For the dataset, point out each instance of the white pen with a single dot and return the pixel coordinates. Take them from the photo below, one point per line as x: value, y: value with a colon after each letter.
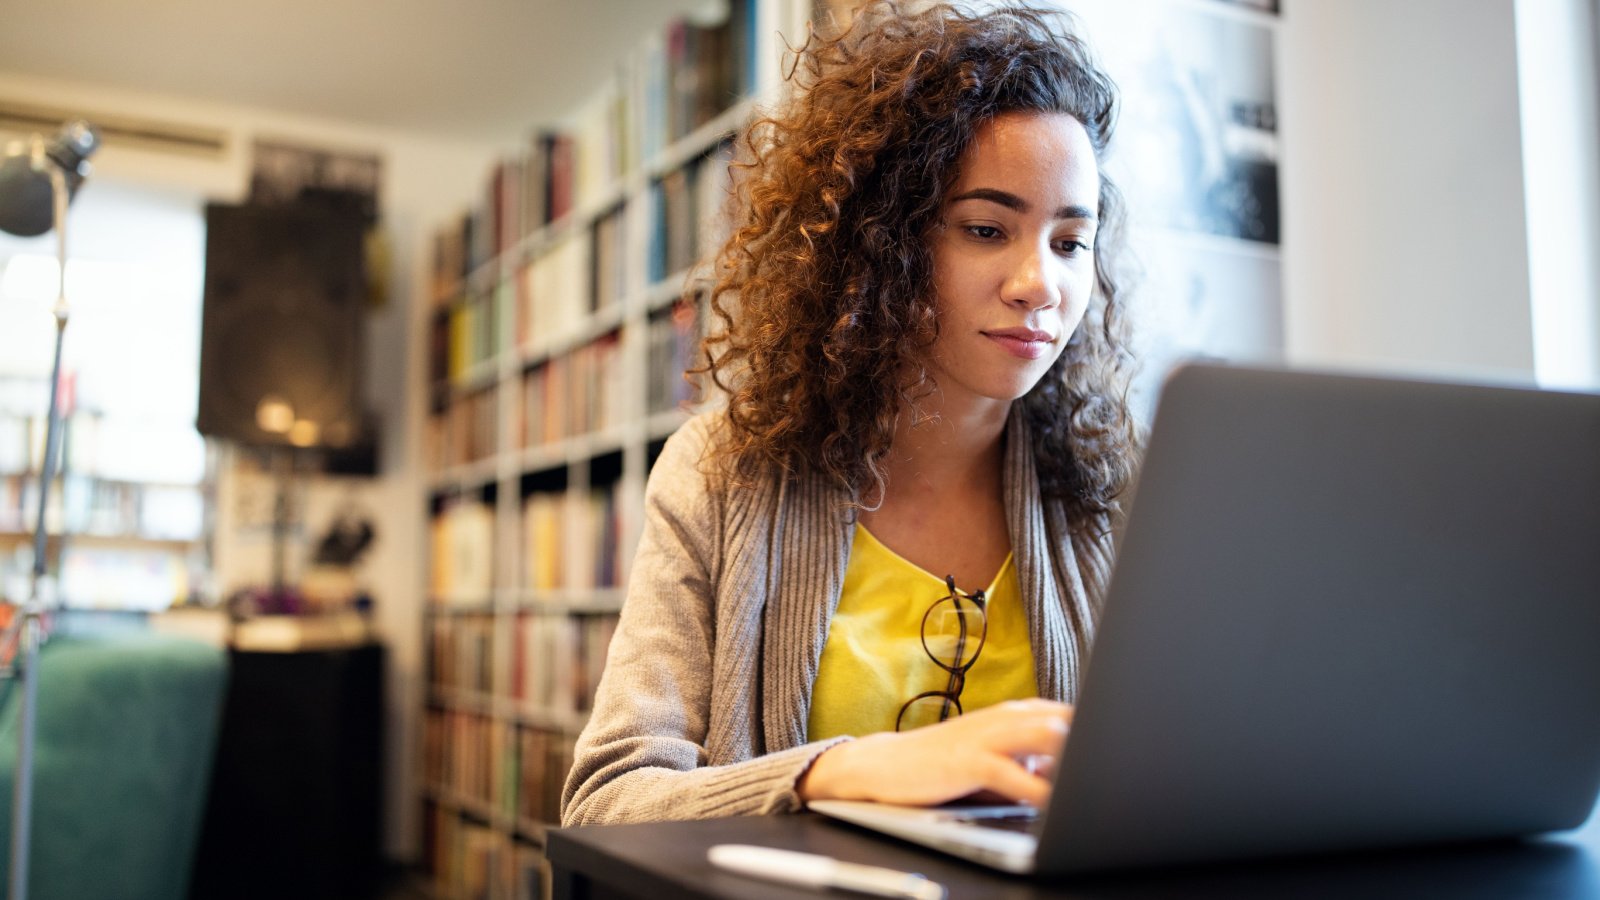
x: 811, y: 870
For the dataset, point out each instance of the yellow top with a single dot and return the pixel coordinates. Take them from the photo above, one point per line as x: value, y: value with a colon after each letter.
x: 873, y: 661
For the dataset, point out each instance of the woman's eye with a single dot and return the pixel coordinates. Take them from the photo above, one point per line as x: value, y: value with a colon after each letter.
x: 983, y: 232
x: 1072, y: 247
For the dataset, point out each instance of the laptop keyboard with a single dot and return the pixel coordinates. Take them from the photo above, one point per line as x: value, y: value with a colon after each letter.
x: 1005, y: 818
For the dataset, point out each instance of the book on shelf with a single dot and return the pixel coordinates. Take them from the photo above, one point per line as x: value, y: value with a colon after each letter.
x: 464, y: 340
x: 550, y: 655
x: 544, y: 402
x: 461, y: 654
x: 536, y: 183
x: 532, y: 873
x: 671, y: 248
x: 547, y: 758
x: 599, y: 137
x: 450, y: 264
x: 563, y: 172
x: 562, y: 657
x: 707, y: 68
x: 542, y: 531
x: 681, y: 79
x: 686, y: 225
x: 503, y: 762
x: 574, y: 394
x: 598, y: 543
x: 502, y: 322
x: 596, y: 634
x: 609, y: 278
x: 486, y: 860
x: 529, y: 430
x: 556, y: 390
x: 85, y: 506
x: 674, y: 342
x: 524, y: 277
x: 504, y: 203
x: 13, y: 511
x: 435, y: 440
x: 458, y: 433
x: 555, y: 292
x: 595, y: 401
x: 438, y: 360
x: 466, y: 431
x: 508, y: 774
x: 433, y: 747
x: 483, y: 418
x: 473, y: 229
x: 461, y: 749
x: 462, y: 553
x: 649, y: 90
x: 477, y: 329
x: 713, y: 190
x: 551, y: 667
x: 561, y: 526
x: 461, y: 249
x: 496, y: 768
x: 516, y: 668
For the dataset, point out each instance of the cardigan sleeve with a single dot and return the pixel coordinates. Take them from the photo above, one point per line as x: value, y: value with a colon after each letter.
x: 642, y: 756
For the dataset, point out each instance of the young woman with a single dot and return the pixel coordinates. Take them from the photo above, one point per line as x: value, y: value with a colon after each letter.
x: 875, y: 574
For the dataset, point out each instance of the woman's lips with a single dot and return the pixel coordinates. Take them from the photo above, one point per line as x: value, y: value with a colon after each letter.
x: 1021, y: 343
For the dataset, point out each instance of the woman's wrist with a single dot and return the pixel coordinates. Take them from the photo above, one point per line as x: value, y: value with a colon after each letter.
x: 833, y: 774
x: 819, y: 778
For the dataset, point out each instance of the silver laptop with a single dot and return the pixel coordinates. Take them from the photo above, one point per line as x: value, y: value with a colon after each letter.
x: 1346, y: 613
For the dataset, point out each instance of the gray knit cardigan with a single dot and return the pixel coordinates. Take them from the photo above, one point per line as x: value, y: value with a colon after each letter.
x: 703, y: 706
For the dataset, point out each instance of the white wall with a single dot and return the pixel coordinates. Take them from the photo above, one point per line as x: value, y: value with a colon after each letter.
x: 1556, y: 44
x: 425, y: 181
x: 1404, y: 218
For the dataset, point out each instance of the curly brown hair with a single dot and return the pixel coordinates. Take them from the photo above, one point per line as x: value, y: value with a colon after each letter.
x: 824, y: 289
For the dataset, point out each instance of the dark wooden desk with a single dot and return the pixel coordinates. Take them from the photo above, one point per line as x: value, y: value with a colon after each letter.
x: 668, y: 861
x: 295, y: 806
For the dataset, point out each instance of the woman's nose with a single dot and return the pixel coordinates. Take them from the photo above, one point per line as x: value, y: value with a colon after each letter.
x: 1028, y: 283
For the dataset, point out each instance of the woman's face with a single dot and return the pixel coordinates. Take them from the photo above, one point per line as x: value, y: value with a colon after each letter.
x: 1013, y: 259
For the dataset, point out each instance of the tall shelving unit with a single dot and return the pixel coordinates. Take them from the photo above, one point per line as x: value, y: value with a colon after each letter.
x: 560, y: 329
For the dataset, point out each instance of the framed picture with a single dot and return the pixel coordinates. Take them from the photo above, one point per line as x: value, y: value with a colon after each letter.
x: 1196, y: 156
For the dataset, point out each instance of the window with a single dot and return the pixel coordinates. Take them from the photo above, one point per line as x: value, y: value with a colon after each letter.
x: 131, y: 501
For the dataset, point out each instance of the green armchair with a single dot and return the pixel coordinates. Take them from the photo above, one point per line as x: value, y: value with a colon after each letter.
x: 126, y: 732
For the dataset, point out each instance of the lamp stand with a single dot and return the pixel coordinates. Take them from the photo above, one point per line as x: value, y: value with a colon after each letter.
x: 26, y: 633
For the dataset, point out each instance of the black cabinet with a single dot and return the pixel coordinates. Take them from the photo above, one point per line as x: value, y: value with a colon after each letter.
x: 297, y: 789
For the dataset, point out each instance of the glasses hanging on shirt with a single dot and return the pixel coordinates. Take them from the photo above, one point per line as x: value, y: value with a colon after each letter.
x: 953, y: 631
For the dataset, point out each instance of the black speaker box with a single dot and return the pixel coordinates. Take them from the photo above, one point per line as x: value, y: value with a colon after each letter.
x: 281, y: 337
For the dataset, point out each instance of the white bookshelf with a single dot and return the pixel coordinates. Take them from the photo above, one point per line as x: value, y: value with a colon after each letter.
x: 472, y: 835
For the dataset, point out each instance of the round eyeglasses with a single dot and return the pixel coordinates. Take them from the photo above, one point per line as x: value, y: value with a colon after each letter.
x: 953, y: 631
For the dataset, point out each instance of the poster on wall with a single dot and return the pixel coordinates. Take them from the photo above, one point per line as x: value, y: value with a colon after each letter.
x: 1267, y: 6
x: 1197, y: 145
x: 1196, y: 156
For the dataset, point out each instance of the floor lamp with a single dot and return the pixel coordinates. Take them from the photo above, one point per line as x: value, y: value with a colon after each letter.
x: 36, y: 184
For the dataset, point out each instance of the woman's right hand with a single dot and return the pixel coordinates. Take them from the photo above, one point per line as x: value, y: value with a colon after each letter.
x: 984, y: 750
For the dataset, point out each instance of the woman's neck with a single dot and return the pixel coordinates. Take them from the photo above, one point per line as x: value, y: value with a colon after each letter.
x: 946, y: 452
x: 942, y: 505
